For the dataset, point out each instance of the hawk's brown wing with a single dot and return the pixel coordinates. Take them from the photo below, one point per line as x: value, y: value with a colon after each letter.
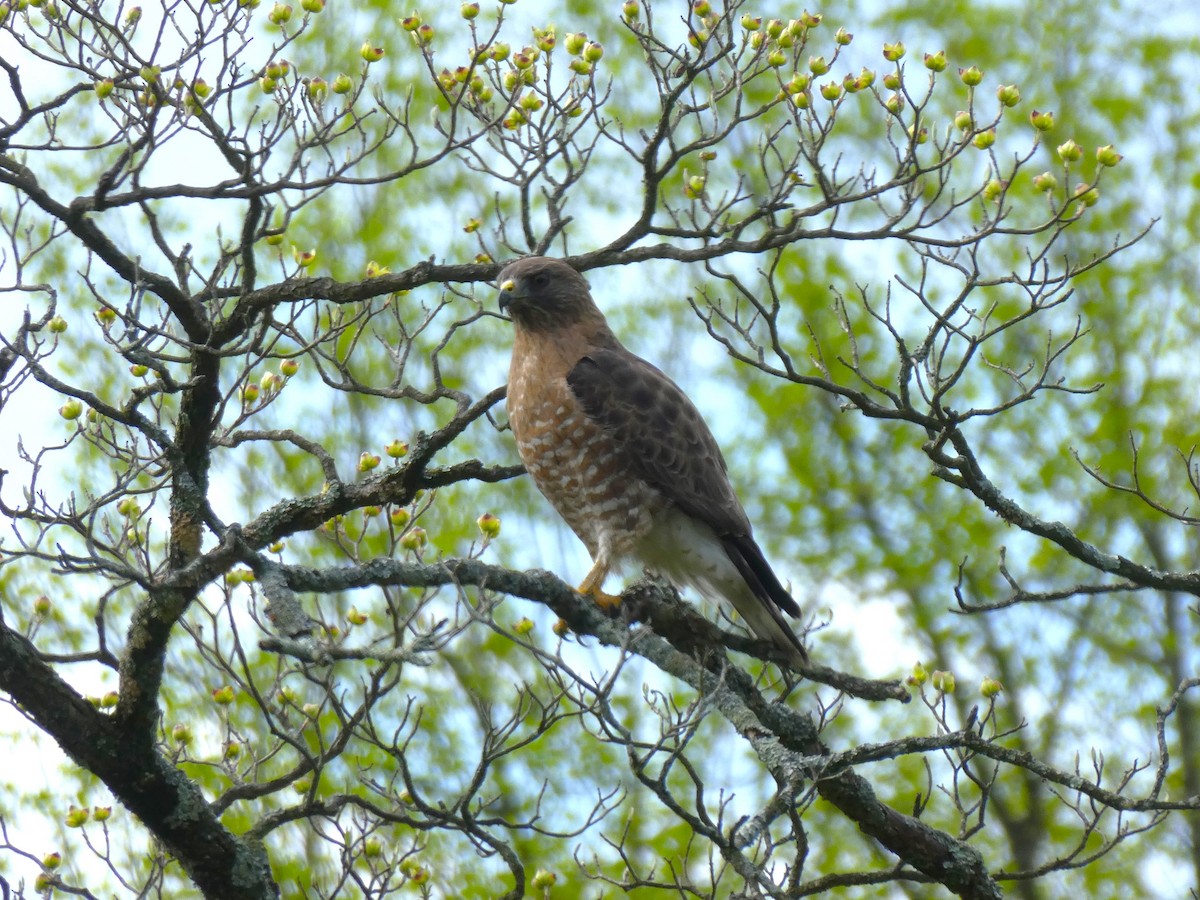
x: 667, y: 443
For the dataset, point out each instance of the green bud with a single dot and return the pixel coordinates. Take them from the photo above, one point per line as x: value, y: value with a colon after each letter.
x: 1045, y: 183
x: 985, y: 139
x: 893, y: 52
x: 575, y: 42
x: 280, y: 13
x: 1107, y: 156
x: 370, y: 52
x: 936, y: 62
x: 1042, y: 121
x: 990, y: 687
x: 104, y: 87
x: 77, y: 816
x: 817, y: 65
x: 831, y: 90
x: 489, y: 525
x: 342, y: 84
x: 842, y: 37
x: 1069, y: 151
x: 1008, y: 95
x: 469, y: 10
x: 971, y: 76
x: 962, y: 120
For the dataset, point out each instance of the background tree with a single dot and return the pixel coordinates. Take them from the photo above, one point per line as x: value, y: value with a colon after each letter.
x: 255, y: 583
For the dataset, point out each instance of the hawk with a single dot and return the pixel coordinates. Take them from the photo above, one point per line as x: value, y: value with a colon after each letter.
x: 625, y: 458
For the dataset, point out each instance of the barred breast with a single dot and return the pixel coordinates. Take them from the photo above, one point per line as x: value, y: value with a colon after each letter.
x: 578, y: 467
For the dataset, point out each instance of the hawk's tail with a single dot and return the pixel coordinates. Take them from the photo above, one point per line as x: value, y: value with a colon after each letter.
x: 769, y: 596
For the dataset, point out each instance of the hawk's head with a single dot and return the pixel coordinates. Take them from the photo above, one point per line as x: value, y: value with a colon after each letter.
x: 544, y: 294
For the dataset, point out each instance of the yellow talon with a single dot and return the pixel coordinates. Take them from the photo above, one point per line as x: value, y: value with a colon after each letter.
x: 591, y: 587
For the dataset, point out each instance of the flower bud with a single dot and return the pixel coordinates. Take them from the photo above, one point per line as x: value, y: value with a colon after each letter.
x: 181, y: 734
x: 817, y: 65
x: 962, y: 120
x: 1046, y: 182
x: 811, y: 20
x: 842, y: 37
x: 71, y: 410
x: 276, y: 547
x: 894, y: 103
x: 1086, y: 194
x: 104, y: 87
x: 774, y: 28
x: 425, y: 35
x: 545, y: 40
x: 355, y: 617
x: 693, y: 188
x: 776, y: 58
x: 57, y: 325
x: 579, y: 67
x: 543, y: 880
x: 411, y: 23
x: 971, y: 76
x: 500, y: 51
x: 593, y: 51
x: 1069, y: 151
x: 268, y: 84
x: 936, y: 62
x: 990, y: 687
x: 469, y: 10
x: 1008, y: 95
x: 523, y: 626
x: 785, y: 41
x: 751, y: 23
x: 414, y: 539
x: 531, y: 102
x: 132, y: 17
x: 399, y: 517
x: 831, y: 90
x: 342, y: 84
x: 1042, y: 121
x: 919, y: 136
x: 801, y: 100
x: 943, y: 682
x: 289, y: 367
x: 1107, y: 156
x: 893, y: 52
x: 312, y: 6
x: 561, y: 629
x: 250, y: 394
x: 367, y: 461
x: 370, y: 53
x: 304, y: 258
x: 489, y: 525
x: 985, y: 139
x: 42, y: 606
x: 892, y: 81
x: 630, y: 10
x: 223, y: 696
x: 51, y: 861
x: 279, y: 14
x: 575, y: 42
x: 993, y: 189
x: 77, y: 816
x: 232, y: 750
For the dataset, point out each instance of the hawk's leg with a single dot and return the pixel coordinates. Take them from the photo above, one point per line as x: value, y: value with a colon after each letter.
x: 590, y: 586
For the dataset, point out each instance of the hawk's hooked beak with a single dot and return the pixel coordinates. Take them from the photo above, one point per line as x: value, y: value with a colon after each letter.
x: 507, y: 294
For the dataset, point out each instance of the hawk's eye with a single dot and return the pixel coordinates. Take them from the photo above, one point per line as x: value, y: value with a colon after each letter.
x: 540, y: 280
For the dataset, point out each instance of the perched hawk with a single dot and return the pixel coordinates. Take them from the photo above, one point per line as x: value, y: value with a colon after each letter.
x: 623, y: 455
